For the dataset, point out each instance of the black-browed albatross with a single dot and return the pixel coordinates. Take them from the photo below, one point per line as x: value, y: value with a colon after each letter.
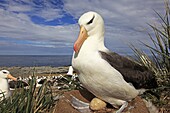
x: 4, y: 86
x: 109, y: 76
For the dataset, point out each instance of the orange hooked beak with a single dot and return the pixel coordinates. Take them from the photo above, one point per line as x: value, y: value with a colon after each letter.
x: 81, y: 38
x: 11, y: 77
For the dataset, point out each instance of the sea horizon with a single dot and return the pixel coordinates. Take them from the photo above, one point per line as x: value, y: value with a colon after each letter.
x: 39, y: 60
x: 35, y: 60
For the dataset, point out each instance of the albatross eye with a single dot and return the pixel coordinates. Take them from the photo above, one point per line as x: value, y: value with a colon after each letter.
x: 91, y: 20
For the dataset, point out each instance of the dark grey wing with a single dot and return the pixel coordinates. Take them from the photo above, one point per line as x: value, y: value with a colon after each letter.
x: 132, y: 72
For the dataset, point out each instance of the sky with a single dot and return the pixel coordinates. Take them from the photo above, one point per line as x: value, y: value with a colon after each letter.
x: 49, y: 27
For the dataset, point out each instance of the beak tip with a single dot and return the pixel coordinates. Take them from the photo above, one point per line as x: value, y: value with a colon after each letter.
x: 15, y: 79
x: 11, y: 77
x: 75, y: 48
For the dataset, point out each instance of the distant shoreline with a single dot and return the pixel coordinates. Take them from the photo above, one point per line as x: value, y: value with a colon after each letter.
x: 37, y: 71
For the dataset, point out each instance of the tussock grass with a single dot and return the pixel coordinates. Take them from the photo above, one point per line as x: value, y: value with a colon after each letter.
x: 38, y: 99
x: 30, y: 100
x: 159, y: 62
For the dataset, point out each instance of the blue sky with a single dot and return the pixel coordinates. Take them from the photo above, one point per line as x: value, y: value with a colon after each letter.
x: 49, y: 27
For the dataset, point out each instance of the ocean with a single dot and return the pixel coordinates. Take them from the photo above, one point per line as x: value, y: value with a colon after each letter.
x: 35, y: 60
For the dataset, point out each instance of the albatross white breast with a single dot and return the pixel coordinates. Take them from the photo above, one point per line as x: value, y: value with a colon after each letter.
x: 4, y: 86
x: 104, y: 73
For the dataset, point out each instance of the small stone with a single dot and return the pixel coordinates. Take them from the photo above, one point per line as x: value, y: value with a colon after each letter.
x: 97, y: 104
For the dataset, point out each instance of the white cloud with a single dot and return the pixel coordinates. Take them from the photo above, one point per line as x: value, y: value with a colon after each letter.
x: 19, y: 26
x: 19, y: 8
x: 44, y: 9
x: 22, y: 36
x: 124, y: 20
x: 50, y: 14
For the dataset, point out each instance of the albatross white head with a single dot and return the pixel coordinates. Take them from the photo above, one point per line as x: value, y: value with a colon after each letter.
x: 4, y: 87
x: 91, y: 31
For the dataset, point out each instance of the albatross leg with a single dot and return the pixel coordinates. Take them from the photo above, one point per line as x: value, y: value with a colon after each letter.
x: 125, y: 104
x: 79, y: 105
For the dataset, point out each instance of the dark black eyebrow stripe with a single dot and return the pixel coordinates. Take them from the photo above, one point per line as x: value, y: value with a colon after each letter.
x: 4, y: 72
x: 91, y: 20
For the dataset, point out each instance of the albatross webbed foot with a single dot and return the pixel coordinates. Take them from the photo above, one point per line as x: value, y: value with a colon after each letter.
x: 81, y: 106
x: 125, y: 104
